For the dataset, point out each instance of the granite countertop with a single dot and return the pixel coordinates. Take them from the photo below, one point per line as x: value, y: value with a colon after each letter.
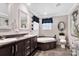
x: 16, y: 39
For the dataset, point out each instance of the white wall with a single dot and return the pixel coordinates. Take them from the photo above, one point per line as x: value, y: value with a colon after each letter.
x: 36, y: 28
x: 54, y: 30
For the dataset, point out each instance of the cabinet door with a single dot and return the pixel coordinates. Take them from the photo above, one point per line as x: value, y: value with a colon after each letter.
x: 27, y: 47
x: 19, y: 48
x: 33, y: 43
x: 6, y: 50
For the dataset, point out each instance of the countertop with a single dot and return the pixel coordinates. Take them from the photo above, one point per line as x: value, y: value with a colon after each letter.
x: 12, y: 33
x: 10, y: 40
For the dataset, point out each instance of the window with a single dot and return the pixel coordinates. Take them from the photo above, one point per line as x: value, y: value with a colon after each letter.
x: 47, y: 24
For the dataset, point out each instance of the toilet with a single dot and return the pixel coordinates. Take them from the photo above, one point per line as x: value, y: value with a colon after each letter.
x: 62, y: 40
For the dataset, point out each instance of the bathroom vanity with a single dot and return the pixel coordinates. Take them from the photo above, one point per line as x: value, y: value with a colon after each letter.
x: 14, y: 29
x: 22, y: 46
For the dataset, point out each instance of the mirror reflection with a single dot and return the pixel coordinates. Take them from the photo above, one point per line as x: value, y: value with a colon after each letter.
x: 4, y: 21
x: 23, y: 19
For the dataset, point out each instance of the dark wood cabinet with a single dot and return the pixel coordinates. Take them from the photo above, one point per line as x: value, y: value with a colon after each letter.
x: 33, y: 43
x: 7, y: 50
x: 30, y: 45
x: 20, y: 48
x: 27, y: 47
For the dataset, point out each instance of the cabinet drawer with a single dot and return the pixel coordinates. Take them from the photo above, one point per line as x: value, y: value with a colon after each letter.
x: 27, y: 52
x: 27, y: 47
x: 27, y: 43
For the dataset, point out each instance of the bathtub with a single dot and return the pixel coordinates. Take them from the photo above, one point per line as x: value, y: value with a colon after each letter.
x: 46, y: 43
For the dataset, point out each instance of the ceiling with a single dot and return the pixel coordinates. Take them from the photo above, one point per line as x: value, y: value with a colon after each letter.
x: 49, y: 9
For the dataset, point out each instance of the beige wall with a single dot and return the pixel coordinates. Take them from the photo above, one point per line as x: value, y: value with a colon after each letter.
x: 54, y: 30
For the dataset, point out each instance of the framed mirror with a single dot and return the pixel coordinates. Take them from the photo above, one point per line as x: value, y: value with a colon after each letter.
x: 61, y: 26
x: 23, y: 19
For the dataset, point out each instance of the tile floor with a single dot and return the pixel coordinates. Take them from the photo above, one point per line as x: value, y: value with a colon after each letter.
x: 54, y: 52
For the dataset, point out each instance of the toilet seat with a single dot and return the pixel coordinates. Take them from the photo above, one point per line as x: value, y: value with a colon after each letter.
x: 63, y: 41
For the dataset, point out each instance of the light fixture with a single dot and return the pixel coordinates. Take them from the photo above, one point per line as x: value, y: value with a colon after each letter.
x: 28, y: 4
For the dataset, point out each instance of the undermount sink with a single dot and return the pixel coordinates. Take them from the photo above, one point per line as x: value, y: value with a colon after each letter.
x: 7, y: 40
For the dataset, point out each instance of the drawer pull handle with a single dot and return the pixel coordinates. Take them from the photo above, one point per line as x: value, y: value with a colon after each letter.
x: 28, y: 47
x: 12, y: 49
x: 16, y: 48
